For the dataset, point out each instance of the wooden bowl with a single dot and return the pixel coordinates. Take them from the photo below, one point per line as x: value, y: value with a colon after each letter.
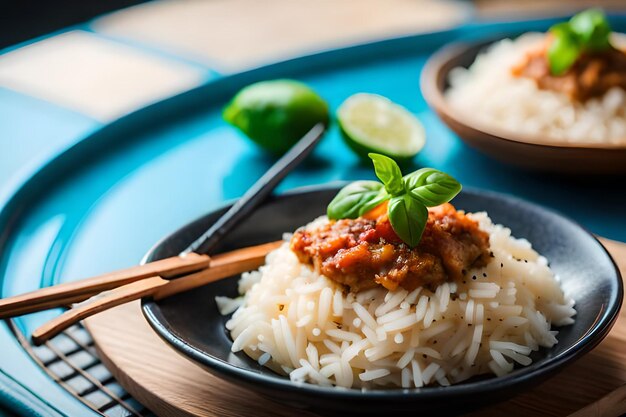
x: 526, y: 151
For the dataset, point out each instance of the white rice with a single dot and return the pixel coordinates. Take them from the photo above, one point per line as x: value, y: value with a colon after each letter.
x: 489, y: 96
x: 300, y: 323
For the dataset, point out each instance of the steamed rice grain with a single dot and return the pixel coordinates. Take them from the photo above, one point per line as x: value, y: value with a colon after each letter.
x: 298, y: 322
x: 490, y: 96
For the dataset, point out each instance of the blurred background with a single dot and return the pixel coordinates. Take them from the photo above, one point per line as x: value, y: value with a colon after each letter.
x: 28, y: 19
x: 68, y: 66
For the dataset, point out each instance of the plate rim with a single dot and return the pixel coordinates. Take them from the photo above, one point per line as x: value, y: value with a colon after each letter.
x: 592, y: 337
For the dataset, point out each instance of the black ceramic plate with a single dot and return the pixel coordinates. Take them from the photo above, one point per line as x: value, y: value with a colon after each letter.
x: 191, y: 323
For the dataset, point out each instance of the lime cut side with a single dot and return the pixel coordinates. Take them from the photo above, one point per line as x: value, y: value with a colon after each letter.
x: 373, y: 123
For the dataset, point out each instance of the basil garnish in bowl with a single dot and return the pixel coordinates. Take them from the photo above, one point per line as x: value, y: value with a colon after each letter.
x: 588, y: 31
x: 409, y: 196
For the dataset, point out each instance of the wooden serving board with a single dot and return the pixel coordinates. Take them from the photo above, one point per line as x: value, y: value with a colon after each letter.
x: 170, y: 385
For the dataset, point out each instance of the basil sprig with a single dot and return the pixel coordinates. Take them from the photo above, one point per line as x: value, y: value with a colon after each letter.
x: 388, y: 172
x: 355, y: 199
x: 587, y: 31
x: 408, y: 196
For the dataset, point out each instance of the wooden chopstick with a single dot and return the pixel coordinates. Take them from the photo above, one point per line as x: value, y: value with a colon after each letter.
x: 259, y: 191
x: 63, y: 295
x: 221, y: 266
x: 71, y: 292
x: 129, y: 292
x: 144, y: 280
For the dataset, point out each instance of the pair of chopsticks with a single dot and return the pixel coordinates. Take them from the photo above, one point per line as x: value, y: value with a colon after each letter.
x: 192, y: 268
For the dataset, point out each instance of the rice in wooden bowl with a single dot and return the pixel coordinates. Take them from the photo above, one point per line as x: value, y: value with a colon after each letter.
x: 500, y: 101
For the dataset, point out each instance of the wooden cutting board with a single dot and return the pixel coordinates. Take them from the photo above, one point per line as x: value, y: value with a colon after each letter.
x: 170, y: 385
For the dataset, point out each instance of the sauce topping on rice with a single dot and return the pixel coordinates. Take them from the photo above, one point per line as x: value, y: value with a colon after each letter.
x: 365, y: 252
x: 592, y: 75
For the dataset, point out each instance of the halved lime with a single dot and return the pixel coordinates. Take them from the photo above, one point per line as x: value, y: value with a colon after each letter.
x: 276, y: 114
x: 373, y: 123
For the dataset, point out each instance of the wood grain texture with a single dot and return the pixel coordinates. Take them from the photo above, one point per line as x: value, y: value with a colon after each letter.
x: 220, y: 32
x: 102, y: 302
x: 170, y: 385
x: 72, y: 292
x: 611, y: 405
x: 221, y: 266
x: 163, y: 380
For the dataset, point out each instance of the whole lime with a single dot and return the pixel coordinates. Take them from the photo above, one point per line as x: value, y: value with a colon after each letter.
x: 276, y: 114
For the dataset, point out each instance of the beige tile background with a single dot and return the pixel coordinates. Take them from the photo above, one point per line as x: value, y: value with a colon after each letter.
x: 105, y: 78
x: 233, y: 34
x: 84, y: 72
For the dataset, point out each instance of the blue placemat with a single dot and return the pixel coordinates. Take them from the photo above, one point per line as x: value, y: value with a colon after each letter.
x: 155, y: 180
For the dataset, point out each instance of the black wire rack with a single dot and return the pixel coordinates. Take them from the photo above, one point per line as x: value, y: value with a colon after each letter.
x: 71, y: 360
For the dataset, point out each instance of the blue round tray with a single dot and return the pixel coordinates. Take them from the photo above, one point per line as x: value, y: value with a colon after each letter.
x: 102, y: 203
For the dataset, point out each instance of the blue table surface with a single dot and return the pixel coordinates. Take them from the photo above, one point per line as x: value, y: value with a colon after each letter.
x: 152, y: 181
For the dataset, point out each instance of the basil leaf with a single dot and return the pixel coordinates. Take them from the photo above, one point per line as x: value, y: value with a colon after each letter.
x: 356, y: 199
x: 375, y: 202
x: 587, y: 31
x: 431, y: 187
x: 388, y: 172
x: 592, y: 29
x: 408, y: 218
x: 564, y: 49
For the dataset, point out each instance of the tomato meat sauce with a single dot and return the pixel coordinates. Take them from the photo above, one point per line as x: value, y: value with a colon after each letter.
x: 592, y: 75
x: 365, y: 252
